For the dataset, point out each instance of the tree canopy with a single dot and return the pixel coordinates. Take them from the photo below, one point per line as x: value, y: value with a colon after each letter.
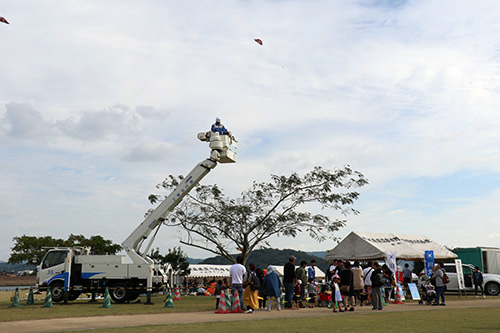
x: 175, y: 257
x: 31, y: 249
x: 218, y: 224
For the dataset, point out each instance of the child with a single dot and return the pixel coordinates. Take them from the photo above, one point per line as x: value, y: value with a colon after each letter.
x: 311, y: 292
x: 336, y: 295
x: 477, y: 278
x: 325, y: 294
x: 296, y: 296
x: 271, y: 287
x: 218, y: 289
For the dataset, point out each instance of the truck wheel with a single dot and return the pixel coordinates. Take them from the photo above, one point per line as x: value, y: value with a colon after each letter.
x: 133, y: 296
x: 492, y: 288
x: 57, y: 291
x: 73, y: 295
x: 119, y: 293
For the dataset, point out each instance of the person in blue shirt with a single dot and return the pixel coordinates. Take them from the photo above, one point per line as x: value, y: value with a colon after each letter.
x: 478, y: 280
x: 311, y: 271
x: 272, y: 287
x: 219, y: 128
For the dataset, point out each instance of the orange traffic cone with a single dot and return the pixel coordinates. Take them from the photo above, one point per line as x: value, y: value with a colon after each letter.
x: 397, y: 296
x: 177, y: 294
x: 236, y: 307
x: 222, y: 303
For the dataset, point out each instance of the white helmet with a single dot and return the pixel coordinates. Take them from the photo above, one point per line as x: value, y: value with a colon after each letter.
x: 217, y: 120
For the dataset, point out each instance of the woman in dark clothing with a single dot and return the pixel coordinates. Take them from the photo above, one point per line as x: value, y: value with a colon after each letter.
x: 347, y: 286
x: 391, y: 281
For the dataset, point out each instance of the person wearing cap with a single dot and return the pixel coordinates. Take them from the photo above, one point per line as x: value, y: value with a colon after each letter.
x: 289, y: 281
x: 272, y: 287
x: 336, y: 295
x: 219, y: 128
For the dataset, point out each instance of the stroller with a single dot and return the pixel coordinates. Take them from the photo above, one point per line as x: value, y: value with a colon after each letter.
x: 427, y: 292
x: 324, y: 295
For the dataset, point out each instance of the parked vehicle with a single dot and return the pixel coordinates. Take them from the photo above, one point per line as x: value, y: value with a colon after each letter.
x: 71, y: 271
x: 491, y: 281
x: 486, y: 258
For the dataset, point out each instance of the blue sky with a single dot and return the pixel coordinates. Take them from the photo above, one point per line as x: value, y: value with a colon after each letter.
x: 101, y: 100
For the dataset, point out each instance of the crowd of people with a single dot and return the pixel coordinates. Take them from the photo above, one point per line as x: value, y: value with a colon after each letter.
x: 346, y: 285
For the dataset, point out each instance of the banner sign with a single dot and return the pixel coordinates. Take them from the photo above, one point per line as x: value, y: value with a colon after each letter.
x: 391, y: 261
x: 429, y: 262
x: 414, y: 291
x: 460, y: 274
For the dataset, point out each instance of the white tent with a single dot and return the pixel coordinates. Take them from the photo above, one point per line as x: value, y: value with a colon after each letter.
x: 222, y: 271
x: 206, y: 271
x: 368, y: 246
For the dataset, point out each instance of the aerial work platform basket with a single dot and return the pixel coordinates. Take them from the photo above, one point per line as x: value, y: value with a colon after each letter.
x: 224, y: 147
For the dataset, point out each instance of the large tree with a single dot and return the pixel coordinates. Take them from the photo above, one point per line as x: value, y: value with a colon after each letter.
x: 31, y: 249
x: 218, y: 224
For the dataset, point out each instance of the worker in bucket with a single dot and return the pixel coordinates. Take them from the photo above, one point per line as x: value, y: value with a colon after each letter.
x: 218, y: 127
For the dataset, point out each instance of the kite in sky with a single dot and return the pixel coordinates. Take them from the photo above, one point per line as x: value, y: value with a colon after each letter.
x: 3, y: 20
x: 258, y: 41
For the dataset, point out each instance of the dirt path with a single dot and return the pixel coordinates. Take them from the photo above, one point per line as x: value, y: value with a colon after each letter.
x: 65, y: 324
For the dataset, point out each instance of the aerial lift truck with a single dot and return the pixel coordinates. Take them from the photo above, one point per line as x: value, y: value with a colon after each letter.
x: 70, y: 271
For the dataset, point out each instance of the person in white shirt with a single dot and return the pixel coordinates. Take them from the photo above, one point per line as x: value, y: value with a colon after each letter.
x: 332, y: 269
x: 367, y: 272
x: 237, y: 273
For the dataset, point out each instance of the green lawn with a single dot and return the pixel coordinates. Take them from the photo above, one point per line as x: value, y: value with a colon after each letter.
x: 444, y: 320
x: 82, y: 308
x: 450, y: 320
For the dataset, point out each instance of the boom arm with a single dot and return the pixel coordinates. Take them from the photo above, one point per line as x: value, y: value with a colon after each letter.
x: 133, y: 243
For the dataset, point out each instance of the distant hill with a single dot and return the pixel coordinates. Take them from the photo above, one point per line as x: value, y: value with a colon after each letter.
x: 320, y: 254
x: 266, y: 257
x: 194, y: 260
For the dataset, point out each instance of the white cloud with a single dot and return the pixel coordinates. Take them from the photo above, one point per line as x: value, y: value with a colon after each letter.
x: 400, y: 90
x: 149, y: 150
x: 22, y: 121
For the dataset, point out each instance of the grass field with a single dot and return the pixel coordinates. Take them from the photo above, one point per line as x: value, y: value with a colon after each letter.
x: 83, y: 308
x: 453, y: 320
x: 444, y: 320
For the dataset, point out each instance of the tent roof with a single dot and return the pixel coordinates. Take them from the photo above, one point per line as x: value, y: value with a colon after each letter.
x: 367, y: 246
x: 203, y: 271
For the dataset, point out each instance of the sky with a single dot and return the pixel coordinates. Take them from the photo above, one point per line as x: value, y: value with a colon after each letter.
x: 101, y: 100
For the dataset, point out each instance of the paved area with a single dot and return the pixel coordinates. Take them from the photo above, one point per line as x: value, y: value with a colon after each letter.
x: 79, y: 323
